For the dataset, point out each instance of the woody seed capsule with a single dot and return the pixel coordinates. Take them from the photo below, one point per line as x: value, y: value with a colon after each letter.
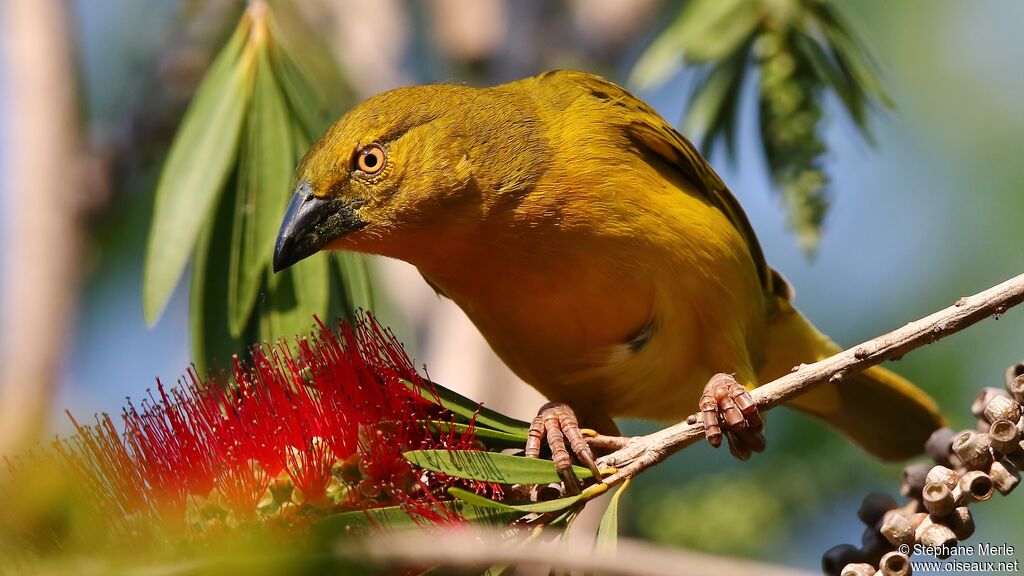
x: 961, y: 523
x: 1005, y: 476
x: 1016, y: 457
x: 913, y: 480
x: 1015, y: 381
x: 1002, y: 408
x: 931, y: 533
x: 873, y: 544
x: 1016, y: 388
x: 859, y: 569
x: 1004, y: 436
x: 942, y: 475
x: 939, y: 445
x: 917, y: 519
x: 938, y: 499
x: 874, y: 506
x: 977, y: 485
x: 973, y: 449
x: 897, y: 530
x: 982, y: 399
x: 835, y: 559
x: 894, y: 564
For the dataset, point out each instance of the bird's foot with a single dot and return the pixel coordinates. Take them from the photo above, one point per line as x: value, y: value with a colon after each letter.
x: 557, y: 423
x: 727, y: 403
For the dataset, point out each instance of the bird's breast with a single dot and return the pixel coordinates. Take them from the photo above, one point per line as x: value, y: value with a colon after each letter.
x: 583, y: 327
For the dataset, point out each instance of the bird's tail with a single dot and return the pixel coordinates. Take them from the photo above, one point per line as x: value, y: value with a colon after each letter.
x: 879, y: 410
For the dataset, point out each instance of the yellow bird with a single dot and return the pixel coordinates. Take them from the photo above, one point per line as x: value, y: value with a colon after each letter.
x: 599, y: 254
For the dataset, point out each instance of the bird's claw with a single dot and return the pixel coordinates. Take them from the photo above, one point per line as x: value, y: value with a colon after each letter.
x: 727, y: 403
x: 556, y: 422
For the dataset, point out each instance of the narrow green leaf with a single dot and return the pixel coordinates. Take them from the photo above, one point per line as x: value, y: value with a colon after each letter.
x: 706, y: 106
x: 389, y: 518
x: 304, y: 100
x: 311, y: 287
x: 294, y: 296
x: 468, y: 409
x: 608, y: 529
x: 662, y: 59
x: 714, y: 29
x: 192, y: 178
x: 490, y: 466
x: 211, y: 337
x: 492, y: 438
x: 355, y: 277
x: 704, y: 31
x: 397, y: 518
x: 528, y: 507
x: 849, y: 51
x: 265, y: 167
x: 302, y: 140
x: 829, y: 73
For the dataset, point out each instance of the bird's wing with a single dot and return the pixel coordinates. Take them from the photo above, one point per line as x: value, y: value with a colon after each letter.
x: 648, y: 130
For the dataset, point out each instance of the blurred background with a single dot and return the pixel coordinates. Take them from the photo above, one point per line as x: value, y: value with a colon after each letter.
x: 91, y: 92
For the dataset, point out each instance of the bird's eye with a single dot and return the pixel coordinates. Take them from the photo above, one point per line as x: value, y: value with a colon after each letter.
x: 370, y: 159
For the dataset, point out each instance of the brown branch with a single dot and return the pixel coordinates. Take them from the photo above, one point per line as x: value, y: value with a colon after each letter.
x: 645, y: 451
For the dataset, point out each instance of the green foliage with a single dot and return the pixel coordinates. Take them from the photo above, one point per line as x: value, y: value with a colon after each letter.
x: 490, y: 466
x: 493, y: 438
x: 477, y: 509
x: 608, y: 529
x: 540, y: 507
x: 471, y: 410
x: 223, y: 191
x: 799, y: 50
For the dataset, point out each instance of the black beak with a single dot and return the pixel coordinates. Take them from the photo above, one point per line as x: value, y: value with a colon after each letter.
x: 310, y: 223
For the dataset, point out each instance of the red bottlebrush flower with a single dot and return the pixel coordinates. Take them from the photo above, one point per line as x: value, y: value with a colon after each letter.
x: 320, y: 429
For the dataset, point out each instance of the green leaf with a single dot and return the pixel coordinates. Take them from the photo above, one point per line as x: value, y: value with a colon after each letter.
x: 490, y: 466
x: 355, y: 280
x: 468, y: 409
x: 528, y: 507
x: 662, y: 59
x: 828, y: 72
x: 712, y: 101
x: 294, y: 296
x: 608, y: 529
x: 311, y: 287
x: 389, y: 518
x: 492, y: 438
x: 705, y: 31
x: 714, y: 29
x: 211, y: 337
x: 304, y: 100
x: 397, y: 518
x: 849, y: 51
x: 197, y: 166
x: 265, y: 169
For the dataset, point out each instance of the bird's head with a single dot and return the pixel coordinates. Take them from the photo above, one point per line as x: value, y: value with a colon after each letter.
x: 397, y: 170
